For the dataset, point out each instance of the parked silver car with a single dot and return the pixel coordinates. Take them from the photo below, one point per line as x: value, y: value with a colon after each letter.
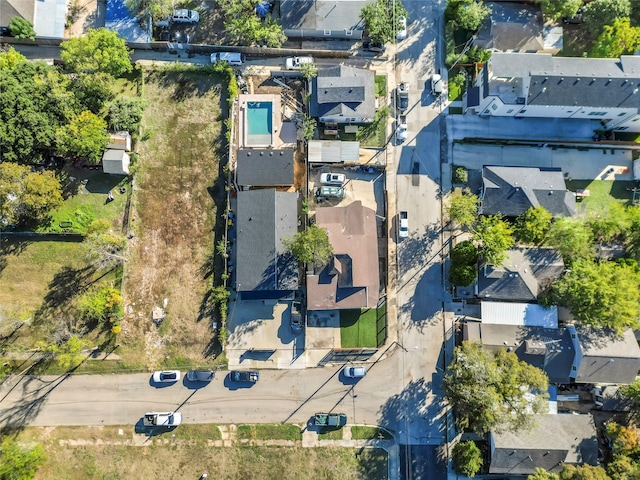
x: 200, y: 375
x: 166, y: 376
x: 355, y: 372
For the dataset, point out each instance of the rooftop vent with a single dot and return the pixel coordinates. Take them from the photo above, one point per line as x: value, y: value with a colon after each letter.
x: 534, y: 347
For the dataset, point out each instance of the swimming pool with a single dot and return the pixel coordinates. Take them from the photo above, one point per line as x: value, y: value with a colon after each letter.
x: 259, y: 123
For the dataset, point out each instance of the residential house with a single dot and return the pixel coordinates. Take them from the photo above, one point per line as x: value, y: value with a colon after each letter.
x: 571, y: 354
x: 115, y: 162
x: 265, y: 269
x: 322, y: 19
x: 264, y: 168
x: 554, y: 441
x: 525, y: 273
x: 48, y: 17
x: 350, y: 280
x: 343, y: 94
x: 517, y: 27
x: 511, y: 191
x: 541, y: 85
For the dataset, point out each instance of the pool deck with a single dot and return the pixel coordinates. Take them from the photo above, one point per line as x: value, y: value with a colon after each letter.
x: 283, y: 134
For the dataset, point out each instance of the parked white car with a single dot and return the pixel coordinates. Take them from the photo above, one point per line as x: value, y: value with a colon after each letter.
x: 332, y: 178
x: 295, y: 63
x: 401, y: 131
x: 403, y: 231
x: 166, y: 376
x: 355, y: 372
x: 180, y: 15
x: 162, y: 419
x: 402, y: 33
x: 232, y: 58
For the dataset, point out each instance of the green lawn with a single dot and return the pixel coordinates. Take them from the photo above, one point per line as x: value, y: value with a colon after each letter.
x: 269, y: 432
x: 358, y: 328
x: 602, y: 193
x: 369, y: 433
x: 86, y: 194
x: 330, y: 434
x: 381, y: 85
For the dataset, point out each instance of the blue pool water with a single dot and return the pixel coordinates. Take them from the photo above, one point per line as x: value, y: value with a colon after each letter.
x: 259, y: 118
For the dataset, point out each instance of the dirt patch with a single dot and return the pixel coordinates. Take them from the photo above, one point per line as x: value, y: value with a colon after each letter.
x: 176, y: 200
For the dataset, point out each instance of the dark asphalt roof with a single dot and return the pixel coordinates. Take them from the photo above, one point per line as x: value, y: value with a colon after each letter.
x: 321, y: 14
x: 264, y: 218
x: 265, y: 168
x: 511, y: 26
x: 343, y: 90
x: 608, y: 357
x: 511, y: 191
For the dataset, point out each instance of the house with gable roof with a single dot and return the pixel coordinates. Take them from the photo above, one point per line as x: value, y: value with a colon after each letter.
x: 543, y: 86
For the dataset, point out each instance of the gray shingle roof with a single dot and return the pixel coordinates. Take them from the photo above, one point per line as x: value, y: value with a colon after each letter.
x: 556, y: 439
x: 607, y: 357
x: 264, y: 218
x: 265, y: 168
x: 524, y: 273
x: 511, y: 26
x: 321, y: 14
x: 343, y: 90
x: 512, y: 190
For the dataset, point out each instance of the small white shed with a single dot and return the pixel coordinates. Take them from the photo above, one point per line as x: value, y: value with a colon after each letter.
x: 115, y: 162
x: 120, y: 141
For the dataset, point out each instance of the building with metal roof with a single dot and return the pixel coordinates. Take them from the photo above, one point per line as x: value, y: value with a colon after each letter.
x: 333, y: 151
x: 522, y: 314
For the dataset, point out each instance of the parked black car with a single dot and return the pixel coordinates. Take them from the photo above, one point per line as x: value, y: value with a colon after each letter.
x: 251, y: 376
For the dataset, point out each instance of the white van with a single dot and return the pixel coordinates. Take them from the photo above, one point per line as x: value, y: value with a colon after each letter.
x: 295, y: 63
x: 181, y: 15
x: 231, y: 58
x: 436, y: 84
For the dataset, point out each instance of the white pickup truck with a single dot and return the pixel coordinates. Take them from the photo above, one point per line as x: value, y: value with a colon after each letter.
x: 162, y: 419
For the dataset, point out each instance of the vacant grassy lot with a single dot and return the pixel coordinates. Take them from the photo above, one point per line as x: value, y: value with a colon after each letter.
x: 358, y: 328
x: 177, y: 201
x: 107, y: 453
x: 602, y: 193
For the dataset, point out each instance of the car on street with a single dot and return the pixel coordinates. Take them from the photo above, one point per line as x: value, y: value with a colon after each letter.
x: 375, y: 47
x: 231, y: 58
x: 354, y: 372
x: 335, y: 420
x: 162, y: 419
x: 247, y: 376
x: 436, y: 84
x: 402, y: 33
x: 401, y: 130
x: 166, y: 376
x: 402, y: 97
x: 200, y: 375
x: 296, y: 317
x: 403, y: 231
x: 330, y: 192
x: 295, y: 63
x: 333, y: 178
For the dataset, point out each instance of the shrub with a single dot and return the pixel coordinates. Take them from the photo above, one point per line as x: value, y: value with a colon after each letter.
x: 460, y: 175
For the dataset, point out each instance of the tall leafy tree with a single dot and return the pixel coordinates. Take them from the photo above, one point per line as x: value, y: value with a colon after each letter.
x: 463, y: 208
x: 157, y: 9
x: 126, y: 113
x: 381, y: 22
x: 555, y: 9
x: 242, y: 23
x: 92, y: 90
x: 85, y: 137
x: 493, y: 391
x: 605, y: 294
x: 573, y: 239
x: 583, y: 472
x: 26, y: 196
x: 467, y: 458
x: 617, y: 39
x: 311, y: 246
x: 542, y: 474
x: 100, y: 50
x: 599, y: 13
x: 464, y: 257
x: 533, y: 225
x: 609, y: 223
x: 495, y: 236
x: 10, y: 58
x: 467, y: 14
x: 19, y: 462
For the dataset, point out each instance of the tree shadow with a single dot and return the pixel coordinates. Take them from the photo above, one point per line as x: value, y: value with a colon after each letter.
x: 65, y: 285
x: 11, y: 245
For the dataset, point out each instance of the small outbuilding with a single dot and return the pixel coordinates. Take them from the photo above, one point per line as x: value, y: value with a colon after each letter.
x: 116, y: 162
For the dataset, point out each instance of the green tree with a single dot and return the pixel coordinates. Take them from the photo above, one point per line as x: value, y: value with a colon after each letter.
x: 632, y: 240
x: 604, y: 295
x: 10, y: 58
x: 84, y: 137
x: 493, y: 392
x: 463, y: 208
x: 26, y: 196
x: 467, y: 458
x: 583, y: 472
x: 465, y: 253
x: 19, y: 462
x: 623, y: 439
x: 599, y: 13
x: 555, y: 9
x: 306, y: 128
x: 533, y: 225
x: 623, y: 468
x: 22, y: 28
x: 92, y: 90
x: 464, y: 257
x: 467, y: 14
x: 101, y: 304
x: 462, y: 275
x: 126, y: 113
x: 309, y: 70
x: 496, y: 237
x: 617, y: 39
x: 381, y: 22
x: 242, y: 24
x: 158, y: 9
x: 311, y: 246
x: 609, y: 223
x: 542, y: 474
x: 100, y: 50
x: 572, y: 238
x: 69, y: 355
